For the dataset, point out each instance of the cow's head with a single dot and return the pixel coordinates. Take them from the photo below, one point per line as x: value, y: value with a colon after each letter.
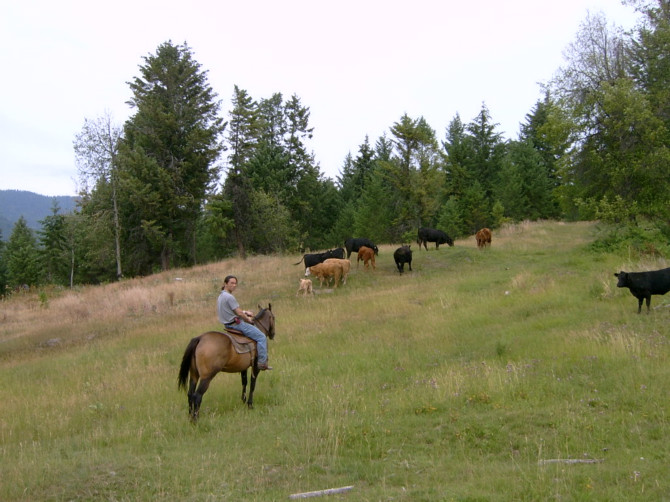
x: 623, y: 279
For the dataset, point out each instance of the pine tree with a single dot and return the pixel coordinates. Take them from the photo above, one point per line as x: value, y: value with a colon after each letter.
x: 22, y: 256
x: 168, y: 155
x: 54, y: 247
x: 3, y: 268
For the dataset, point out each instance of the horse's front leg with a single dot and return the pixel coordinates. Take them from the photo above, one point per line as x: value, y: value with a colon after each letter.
x: 252, y: 386
x: 244, y: 385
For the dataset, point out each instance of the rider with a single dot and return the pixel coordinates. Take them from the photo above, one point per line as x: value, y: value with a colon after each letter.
x: 232, y: 316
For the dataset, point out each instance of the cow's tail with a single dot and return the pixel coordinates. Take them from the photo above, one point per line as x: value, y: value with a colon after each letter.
x: 301, y: 259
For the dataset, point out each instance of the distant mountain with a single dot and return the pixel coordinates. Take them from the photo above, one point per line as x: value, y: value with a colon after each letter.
x: 33, y: 207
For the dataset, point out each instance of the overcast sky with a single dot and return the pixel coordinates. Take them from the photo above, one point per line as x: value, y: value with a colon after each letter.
x: 357, y: 65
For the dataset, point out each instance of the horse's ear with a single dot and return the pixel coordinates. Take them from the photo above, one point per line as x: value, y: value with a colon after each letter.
x: 270, y: 307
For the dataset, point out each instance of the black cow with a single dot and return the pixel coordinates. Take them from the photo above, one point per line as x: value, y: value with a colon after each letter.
x: 311, y: 259
x: 356, y: 243
x: 644, y: 284
x: 401, y: 256
x: 427, y: 235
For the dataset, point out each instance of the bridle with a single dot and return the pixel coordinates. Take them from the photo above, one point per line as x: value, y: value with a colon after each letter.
x: 267, y: 329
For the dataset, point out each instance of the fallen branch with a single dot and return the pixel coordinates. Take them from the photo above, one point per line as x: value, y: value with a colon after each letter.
x: 571, y: 461
x: 318, y: 493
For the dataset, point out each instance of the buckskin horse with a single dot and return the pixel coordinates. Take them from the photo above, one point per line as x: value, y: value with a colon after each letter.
x: 230, y: 352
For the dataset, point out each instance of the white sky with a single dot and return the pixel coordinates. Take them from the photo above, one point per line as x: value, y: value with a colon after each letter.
x: 357, y: 65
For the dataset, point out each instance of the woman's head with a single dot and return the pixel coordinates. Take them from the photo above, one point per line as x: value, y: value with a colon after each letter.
x: 227, y: 281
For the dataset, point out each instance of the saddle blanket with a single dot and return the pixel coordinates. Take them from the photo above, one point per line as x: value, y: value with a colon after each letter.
x: 241, y: 343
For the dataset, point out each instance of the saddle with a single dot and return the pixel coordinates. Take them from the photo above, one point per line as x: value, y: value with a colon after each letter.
x: 242, y: 344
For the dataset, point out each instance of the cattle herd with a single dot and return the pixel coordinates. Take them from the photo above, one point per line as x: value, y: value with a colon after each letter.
x: 332, y: 265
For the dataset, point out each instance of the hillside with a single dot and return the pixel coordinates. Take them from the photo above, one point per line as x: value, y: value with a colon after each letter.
x: 33, y: 207
x: 516, y: 373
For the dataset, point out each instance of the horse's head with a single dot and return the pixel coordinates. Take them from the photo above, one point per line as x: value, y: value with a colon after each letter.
x: 265, y: 320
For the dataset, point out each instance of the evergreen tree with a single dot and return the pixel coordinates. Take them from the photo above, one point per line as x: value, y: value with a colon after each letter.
x: 474, y: 208
x: 474, y: 158
x: 412, y: 174
x: 168, y: 154
x: 355, y: 174
x: 547, y: 130
x: 374, y: 217
x: 525, y: 190
x: 242, y: 142
x: 215, y: 228
x: 488, y: 151
x: 459, y: 153
x: 22, y: 256
x: 54, y: 247
x: 3, y: 269
x: 354, y: 180
x: 450, y: 219
x: 649, y: 55
x: 243, y: 129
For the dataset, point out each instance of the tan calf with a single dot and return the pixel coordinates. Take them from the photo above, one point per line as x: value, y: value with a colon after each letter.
x: 305, y: 287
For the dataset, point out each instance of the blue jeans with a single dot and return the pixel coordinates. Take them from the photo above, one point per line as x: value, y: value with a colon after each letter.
x: 255, y: 334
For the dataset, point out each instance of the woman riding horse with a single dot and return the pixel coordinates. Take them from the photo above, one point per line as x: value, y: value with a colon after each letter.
x: 212, y: 352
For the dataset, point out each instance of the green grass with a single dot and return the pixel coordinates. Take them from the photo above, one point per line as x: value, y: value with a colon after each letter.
x: 452, y: 382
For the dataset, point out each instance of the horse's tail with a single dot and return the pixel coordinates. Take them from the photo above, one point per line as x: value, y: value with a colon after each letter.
x: 189, y: 353
x: 303, y: 257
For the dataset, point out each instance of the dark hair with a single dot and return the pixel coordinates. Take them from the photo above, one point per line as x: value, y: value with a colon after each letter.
x: 228, y: 278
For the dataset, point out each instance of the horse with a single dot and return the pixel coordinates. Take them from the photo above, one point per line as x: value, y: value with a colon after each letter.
x: 213, y: 351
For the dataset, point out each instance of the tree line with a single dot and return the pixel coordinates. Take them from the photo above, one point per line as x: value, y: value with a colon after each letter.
x: 180, y: 183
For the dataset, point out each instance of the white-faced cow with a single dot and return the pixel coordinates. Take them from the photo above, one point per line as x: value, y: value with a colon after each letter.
x: 311, y: 259
x: 427, y: 235
x: 355, y: 244
x: 401, y: 256
x: 644, y: 284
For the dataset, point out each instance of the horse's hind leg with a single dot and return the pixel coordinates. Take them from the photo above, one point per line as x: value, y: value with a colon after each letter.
x: 197, y: 398
x: 191, y: 395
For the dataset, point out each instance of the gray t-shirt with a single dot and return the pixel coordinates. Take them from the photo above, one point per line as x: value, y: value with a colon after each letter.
x: 225, y: 307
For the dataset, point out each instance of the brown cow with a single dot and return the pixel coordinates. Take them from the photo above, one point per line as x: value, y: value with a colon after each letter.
x: 305, y: 287
x: 324, y: 271
x: 483, y: 238
x: 346, y: 266
x: 367, y: 255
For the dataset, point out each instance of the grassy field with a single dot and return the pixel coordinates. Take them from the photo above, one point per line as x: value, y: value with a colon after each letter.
x: 516, y: 373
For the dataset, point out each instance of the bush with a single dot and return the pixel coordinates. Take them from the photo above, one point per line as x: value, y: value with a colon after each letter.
x: 641, y: 240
